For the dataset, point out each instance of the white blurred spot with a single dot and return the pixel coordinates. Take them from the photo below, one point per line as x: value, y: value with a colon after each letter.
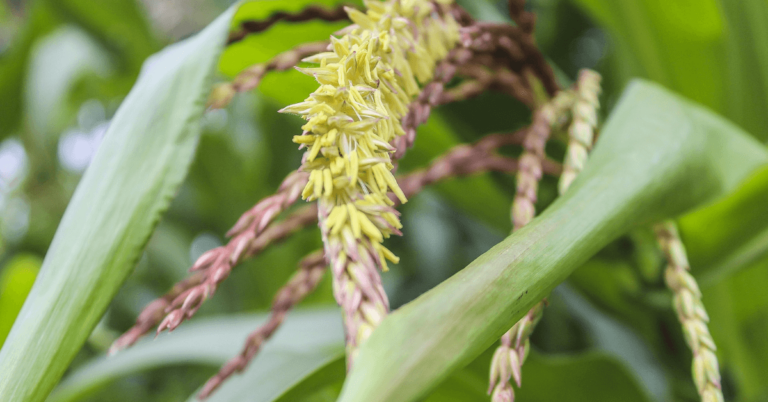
x: 77, y: 148
x: 13, y: 164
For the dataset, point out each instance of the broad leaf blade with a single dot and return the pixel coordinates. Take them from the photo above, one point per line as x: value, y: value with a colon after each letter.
x: 312, y: 334
x: 135, y: 173
x: 731, y: 234
x: 657, y: 156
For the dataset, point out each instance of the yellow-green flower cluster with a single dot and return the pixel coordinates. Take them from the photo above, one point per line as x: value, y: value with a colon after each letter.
x: 367, y: 79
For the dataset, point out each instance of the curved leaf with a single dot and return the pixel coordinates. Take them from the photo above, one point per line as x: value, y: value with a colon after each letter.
x: 135, y: 173
x: 657, y: 156
x: 304, y: 337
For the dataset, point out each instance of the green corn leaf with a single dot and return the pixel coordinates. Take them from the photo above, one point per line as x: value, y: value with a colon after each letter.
x: 304, y: 338
x: 738, y: 307
x: 590, y: 376
x: 119, y: 26
x: 135, y: 173
x: 671, y: 47
x: 730, y: 235
x: 326, y: 380
x: 658, y: 156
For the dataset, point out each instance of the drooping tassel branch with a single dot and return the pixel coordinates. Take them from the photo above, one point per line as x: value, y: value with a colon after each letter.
x: 524, y: 204
x: 252, y: 233
x: 302, y: 283
x: 430, y: 32
x: 691, y: 313
x: 461, y: 161
x: 515, y: 344
x: 509, y: 356
x: 581, y: 133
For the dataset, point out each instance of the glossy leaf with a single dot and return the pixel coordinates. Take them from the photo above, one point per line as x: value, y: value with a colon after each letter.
x: 135, y: 173
x: 658, y: 156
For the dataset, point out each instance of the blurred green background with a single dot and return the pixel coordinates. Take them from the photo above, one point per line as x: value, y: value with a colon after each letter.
x: 608, y: 334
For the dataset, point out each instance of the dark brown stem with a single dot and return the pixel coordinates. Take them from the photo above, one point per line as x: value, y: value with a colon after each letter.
x: 525, y: 20
x: 502, y: 80
x: 511, y: 47
x: 307, y: 14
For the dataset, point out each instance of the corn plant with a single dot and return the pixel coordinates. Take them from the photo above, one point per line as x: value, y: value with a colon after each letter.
x: 649, y: 160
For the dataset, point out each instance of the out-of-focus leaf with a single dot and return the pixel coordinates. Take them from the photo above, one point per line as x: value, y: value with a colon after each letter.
x: 746, y: 60
x: 265, y: 384
x: 330, y: 375
x: 619, y: 341
x: 730, y: 235
x: 738, y: 306
x: 13, y: 65
x: 140, y: 164
x: 304, y: 338
x: 591, y: 376
x: 119, y: 25
x: 57, y: 62
x: 711, y: 51
x: 658, y: 156
x: 16, y: 279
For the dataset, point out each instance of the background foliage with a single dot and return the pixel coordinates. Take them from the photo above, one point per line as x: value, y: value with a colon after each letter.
x: 608, y: 333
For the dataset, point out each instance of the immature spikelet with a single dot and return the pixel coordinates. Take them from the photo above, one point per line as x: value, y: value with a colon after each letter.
x: 524, y: 203
x: 691, y: 313
x: 367, y: 79
x: 515, y: 344
x: 581, y: 133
